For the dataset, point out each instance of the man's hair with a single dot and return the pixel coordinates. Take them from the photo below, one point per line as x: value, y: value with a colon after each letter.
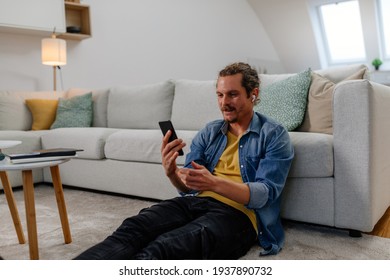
x: 250, y: 78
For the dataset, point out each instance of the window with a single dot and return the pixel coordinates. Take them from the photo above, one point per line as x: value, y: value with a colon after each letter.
x: 351, y: 31
x: 384, y: 22
x: 339, y: 31
x: 342, y: 31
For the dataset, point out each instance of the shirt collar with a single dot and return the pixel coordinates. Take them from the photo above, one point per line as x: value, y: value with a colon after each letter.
x: 254, y: 126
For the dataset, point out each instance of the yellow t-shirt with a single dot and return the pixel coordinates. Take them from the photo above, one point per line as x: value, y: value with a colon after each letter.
x: 228, y: 168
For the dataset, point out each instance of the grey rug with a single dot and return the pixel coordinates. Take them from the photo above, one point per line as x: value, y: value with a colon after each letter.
x: 93, y: 216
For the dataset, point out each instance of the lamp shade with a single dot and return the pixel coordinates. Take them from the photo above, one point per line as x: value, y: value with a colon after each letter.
x: 53, y: 51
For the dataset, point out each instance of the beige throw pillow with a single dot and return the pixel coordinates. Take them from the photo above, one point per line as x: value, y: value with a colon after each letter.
x: 319, y: 111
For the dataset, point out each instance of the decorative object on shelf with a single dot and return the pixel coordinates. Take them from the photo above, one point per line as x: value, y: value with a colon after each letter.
x: 54, y: 54
x: 73, y: 29
x: 376, y: 63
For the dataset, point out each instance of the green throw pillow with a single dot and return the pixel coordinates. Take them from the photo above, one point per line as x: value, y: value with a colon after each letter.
x: 74, y: 112
x: 286, y: 100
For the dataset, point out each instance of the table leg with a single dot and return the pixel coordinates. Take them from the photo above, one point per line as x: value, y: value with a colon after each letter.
x: 28, y: 189
x: 9, y: 195
x: 57, y: 184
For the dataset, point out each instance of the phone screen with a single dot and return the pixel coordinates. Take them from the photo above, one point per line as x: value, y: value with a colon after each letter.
x: 167, y: 125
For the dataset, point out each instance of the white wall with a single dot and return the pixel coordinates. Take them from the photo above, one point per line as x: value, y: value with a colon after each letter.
x: 289, y: 27
x: 144, y: 41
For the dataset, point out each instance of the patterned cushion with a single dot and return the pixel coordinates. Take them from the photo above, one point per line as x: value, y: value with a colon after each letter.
x: 99, y: 103
x: 286, y: 100
x: 74, y: 112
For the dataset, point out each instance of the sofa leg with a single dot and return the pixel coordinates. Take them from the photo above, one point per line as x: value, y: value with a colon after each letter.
x: 355, y: 233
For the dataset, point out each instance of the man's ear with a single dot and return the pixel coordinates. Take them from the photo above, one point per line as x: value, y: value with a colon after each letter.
x: 255, y: 94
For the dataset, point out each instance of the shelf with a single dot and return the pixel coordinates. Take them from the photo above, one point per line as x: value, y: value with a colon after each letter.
x: 381, y: 77
x: 77, y: 15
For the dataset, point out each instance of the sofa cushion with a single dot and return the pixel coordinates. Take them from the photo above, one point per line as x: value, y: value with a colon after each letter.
x: 31, y: 140
x: 195, y: 104
x: 91, y: 140
x: 286, y: 100
x: 141, y: 145
x: 313, y: 155
x: 43, y: 112
x: 140, y: 106
x: 74, y: 112
x: 14, y: 114
x: 100, y: 103
x: 319, y: 112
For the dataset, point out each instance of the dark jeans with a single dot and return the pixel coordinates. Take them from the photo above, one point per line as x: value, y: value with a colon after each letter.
x: 179, y: 228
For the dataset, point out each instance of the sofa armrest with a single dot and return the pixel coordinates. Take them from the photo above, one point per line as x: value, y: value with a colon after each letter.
x: 361, y: 112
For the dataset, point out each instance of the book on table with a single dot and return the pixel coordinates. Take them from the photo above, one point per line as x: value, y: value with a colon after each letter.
x: 43, y: 155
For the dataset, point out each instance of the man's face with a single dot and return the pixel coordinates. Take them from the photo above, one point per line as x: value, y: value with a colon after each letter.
x: 232, y: 99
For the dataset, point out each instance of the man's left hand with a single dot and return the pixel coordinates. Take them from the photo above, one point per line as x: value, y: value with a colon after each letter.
x: 198, y: 178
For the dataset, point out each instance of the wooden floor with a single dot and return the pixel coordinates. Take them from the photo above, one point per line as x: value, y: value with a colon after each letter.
x: 382, y: 228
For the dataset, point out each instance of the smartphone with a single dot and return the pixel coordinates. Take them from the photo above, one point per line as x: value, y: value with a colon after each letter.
x: 167, y: 125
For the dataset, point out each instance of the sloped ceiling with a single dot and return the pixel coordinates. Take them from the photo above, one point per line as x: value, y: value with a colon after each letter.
x: 289, y: 28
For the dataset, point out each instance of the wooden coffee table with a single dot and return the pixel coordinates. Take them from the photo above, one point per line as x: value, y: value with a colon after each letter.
x: 8, y: 191
x: 28, y: 189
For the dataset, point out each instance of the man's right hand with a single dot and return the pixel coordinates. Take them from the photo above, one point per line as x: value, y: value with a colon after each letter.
x: 169, y: 153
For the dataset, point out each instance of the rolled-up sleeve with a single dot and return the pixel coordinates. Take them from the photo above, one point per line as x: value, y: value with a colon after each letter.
x: 258, y: 195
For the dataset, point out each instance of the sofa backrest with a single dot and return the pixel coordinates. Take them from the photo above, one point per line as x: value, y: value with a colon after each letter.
x: 14, y: 114
x: 190, y: 104
x: 334, y: 74
x: 195, y: 104
x: 140, y: 107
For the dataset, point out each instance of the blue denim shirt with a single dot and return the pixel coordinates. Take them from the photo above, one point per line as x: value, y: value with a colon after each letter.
x: 265, y: 156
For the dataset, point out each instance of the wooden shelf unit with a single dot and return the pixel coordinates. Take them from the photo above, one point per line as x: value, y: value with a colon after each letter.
x: 77, y: 15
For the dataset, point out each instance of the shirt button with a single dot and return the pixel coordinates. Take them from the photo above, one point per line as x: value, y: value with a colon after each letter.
x: 242, y: 166
x: 241, y: 146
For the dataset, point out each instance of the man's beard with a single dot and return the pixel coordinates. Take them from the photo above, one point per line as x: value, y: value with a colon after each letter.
x: 232, y: 121
x: 229, y: 109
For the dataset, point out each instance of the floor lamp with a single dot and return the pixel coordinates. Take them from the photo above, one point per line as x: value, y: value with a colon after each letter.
x: 54, y: 54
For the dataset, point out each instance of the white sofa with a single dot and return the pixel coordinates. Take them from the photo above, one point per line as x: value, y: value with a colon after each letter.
x: 340, y: 180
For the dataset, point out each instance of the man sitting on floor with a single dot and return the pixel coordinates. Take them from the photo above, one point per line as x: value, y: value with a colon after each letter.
x: 230, y: 186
